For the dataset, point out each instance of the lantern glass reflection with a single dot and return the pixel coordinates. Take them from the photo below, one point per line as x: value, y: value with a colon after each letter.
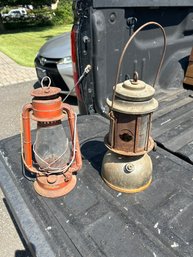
x: 144, y: 128
x: 51, y: 148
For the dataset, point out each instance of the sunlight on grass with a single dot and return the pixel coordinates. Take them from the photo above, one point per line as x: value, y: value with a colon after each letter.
x: 23, y: 46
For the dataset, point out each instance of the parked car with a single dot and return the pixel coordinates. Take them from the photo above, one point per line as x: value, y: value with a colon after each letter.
x: 14, y: 14
x: 54, y: 60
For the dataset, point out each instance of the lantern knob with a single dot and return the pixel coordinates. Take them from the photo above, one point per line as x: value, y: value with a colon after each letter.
x: 135, y: 77
x: 129, y: 167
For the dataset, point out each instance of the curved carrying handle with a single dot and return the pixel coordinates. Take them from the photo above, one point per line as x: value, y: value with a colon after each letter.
x: 125, y: 48
x: 74, y: 135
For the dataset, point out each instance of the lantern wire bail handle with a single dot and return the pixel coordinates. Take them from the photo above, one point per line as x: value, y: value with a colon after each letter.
x: 135, y: 73
x: 44, y: 87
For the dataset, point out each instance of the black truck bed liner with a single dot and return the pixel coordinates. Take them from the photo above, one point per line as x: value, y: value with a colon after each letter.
x: 94, y: 220
x: 173, y: 122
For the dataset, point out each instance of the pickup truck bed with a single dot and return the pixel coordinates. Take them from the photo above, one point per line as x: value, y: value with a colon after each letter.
x: 94, y: 220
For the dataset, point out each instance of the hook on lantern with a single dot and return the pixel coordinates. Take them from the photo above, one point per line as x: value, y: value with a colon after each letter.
x: 43, y: 81
x: 56, y: 159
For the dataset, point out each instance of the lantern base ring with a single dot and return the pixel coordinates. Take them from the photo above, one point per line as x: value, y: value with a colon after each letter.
x: 128, y: 191
x: 53, y: 188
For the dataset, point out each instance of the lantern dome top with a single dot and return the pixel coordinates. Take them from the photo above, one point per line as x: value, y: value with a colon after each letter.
x: 45, y: 91
x: 134, y: 90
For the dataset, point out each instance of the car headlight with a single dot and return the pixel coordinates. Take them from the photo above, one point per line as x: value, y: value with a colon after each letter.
x: 43, y: 61
x: 65, y: 60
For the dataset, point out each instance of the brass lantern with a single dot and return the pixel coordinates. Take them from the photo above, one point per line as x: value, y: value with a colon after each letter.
x: 126, y: 166
x: 129, y: 137
x: 56, y: 158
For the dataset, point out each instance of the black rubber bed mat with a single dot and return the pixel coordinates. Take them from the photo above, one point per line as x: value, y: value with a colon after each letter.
x: 93, y: 220
x: 173, y: 122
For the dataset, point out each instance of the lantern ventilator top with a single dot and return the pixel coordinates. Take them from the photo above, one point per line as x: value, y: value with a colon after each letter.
x: 133, y: 97
x: 134, y: 90
x: 45, y: 91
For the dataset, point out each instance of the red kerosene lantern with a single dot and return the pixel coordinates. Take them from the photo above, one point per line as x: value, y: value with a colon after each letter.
x: 56, y: 160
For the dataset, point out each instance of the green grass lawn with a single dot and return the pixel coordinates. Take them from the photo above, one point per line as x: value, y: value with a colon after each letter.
x: 23, y: 46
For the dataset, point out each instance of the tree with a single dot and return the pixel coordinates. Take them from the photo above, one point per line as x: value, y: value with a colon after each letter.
x: 35, y: 3
x: 64, y: 12
x: 1, y: 24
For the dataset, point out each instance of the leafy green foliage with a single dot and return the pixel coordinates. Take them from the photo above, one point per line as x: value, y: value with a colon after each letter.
x: 35, y: 3
x: 63, y: 14
x: 42, y: 15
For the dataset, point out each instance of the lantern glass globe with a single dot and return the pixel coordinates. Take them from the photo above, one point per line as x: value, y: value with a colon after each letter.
x: 52, y: 149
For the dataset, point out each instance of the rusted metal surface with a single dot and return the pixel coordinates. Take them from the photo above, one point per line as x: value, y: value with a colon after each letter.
x: 189, y: 72
x: 45, y: 91
x: 130, y: 134
x: 130, y: 113
x: 47, y: 187
x: 27, y: 134
x: 127, y: 167
x: 48, y: 112
x: 77, y: 164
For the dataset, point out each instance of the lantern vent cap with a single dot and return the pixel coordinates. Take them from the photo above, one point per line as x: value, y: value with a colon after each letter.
x: 134, y: 90
x: 45, y: 91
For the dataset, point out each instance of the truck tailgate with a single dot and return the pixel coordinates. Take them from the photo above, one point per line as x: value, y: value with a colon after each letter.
x: 94, y: 220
